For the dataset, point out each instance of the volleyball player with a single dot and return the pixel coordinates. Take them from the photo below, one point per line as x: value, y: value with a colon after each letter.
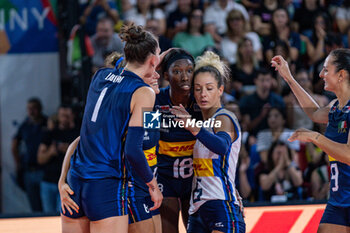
x: 215, y: 203
x: 99, y: 171
x: 174, y: 154
x: 336, y: 141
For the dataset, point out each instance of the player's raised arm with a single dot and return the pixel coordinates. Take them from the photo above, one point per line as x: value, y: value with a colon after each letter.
x: 309, y: 105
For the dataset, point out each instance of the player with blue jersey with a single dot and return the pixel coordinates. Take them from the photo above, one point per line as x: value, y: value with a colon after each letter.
x: 215, y: 203
x: 111, y: 140
x: 141, y: 218
x: 336, y: 141
x: 174, y: 154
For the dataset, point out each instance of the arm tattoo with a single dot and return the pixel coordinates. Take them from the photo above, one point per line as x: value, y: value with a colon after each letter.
x: 318, y: 135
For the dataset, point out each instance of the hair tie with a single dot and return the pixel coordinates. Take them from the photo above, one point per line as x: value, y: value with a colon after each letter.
x: 118, y: 62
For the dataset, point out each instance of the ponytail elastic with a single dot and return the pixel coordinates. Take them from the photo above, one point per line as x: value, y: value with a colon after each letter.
x: 118, y: 62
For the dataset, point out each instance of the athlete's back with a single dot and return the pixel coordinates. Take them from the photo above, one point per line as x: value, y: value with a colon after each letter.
x: 107, y: 112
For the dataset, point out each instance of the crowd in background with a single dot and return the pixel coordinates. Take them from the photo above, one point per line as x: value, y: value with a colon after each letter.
x: 246, y: 34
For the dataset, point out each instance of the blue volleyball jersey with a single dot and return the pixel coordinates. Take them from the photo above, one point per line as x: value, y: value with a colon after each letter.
x: 107, y: 112
x: 338, y: 131
x: 175, y: 147
x: 150, y: 141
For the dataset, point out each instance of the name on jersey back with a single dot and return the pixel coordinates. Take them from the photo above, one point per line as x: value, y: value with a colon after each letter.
x: 114, y: 78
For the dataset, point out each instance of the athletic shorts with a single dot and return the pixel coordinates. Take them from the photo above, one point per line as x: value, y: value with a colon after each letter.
x: 98, y: 199
x: 139, y: 209
x: 173, y: 187
x: 336, y: 215
x: 217, y: 215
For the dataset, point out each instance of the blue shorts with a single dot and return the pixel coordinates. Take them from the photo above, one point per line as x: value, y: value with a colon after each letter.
x: 98, y: 199
x: 217, y: 215
x: 139, y: 209
x: 336, y: 215
x: 173, y: 187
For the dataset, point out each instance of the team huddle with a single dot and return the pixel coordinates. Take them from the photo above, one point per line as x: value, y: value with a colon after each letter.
x: 120, y: 177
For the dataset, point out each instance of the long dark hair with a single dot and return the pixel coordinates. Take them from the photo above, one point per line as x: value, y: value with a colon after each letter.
x: 341, y: 59
x: 190, y: 15
x: 274, y: 33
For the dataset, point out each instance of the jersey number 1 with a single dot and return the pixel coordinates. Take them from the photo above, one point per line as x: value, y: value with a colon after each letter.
x: 98, y: 104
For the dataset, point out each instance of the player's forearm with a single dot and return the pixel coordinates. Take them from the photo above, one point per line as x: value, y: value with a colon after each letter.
x: 135, y: 155
x: 66, y: 161
x: 305, y: 100
x: 338, y: 151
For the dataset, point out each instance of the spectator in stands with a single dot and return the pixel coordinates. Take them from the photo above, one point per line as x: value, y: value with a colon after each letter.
x: 153, y: 25
x: 320, y: 181
x: 321, y: 29
x: 297, y: 118
x: 255, y: 107
x: 251, y: 5
x: 245, y: 180
x: 51, y: 154
x: 342, y: 17
x: 95, y: 10
x: 104, y: 42
x: 216, y: 14
x: 245, y: 70
x: 194, y: 40
x: 24, y: 149
x: 332, y: 41
x: 276, y: 119
x: 281, y: 47
x: 281, y: 30
x: 142, y: 11
x: 237, y: 29
x: 281, y: 178
x: 263, y: 16
x: 303, y: 15
x: 178, y: 19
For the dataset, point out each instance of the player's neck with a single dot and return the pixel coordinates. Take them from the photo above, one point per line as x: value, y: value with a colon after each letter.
x: 343, y: 98
x: 139, y: 70
x: 179, y: 98
x: 208, y: 113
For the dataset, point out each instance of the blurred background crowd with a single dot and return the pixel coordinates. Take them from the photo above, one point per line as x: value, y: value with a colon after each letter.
x: 246, y: 34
